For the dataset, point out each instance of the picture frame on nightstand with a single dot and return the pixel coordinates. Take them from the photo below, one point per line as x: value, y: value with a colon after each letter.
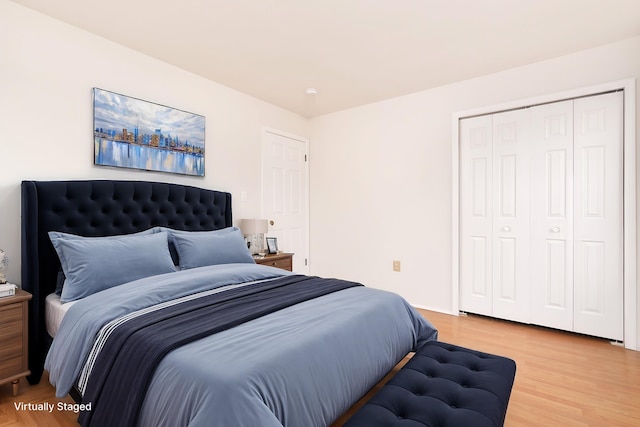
x: 272, y: 245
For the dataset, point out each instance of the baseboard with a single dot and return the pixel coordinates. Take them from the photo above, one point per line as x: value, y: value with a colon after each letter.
x: 437, y: 310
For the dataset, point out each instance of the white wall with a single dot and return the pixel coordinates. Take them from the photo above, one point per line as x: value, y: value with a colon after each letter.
x: 381, y: 174
x: 47, y: 72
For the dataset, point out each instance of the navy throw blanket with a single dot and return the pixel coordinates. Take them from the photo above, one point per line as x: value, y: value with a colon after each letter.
x: 127, y: 362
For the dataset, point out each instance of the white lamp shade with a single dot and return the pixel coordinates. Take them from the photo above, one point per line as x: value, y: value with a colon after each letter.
x: 254, y: 226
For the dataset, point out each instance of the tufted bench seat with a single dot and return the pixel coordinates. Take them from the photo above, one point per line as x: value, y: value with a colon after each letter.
x: 443, y: 385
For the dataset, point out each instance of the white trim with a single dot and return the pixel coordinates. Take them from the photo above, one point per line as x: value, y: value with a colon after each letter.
x: 455, y: 209
x: 630, y: 167
x: 434, y: 309
x: 306, y: 202
x: 630, y: 215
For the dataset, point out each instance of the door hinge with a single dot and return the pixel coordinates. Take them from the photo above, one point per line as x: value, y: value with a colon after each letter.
x: 306, y: 262
x: 305, y: 157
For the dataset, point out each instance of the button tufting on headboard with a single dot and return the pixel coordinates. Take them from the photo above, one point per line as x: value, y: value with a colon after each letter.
x: 100, y: 208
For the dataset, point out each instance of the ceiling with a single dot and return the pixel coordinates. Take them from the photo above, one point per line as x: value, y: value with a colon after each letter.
x: 353, y: 52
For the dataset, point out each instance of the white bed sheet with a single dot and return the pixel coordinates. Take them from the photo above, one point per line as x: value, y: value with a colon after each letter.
x: 54, y: 312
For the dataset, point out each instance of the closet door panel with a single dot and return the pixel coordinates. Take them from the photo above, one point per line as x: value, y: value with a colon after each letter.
x: 598, y: 281
x: 476, y: 195
x: 511, y: 215
x: 551, y: 210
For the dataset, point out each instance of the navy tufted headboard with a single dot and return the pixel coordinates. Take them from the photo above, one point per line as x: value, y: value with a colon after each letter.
x: 99, y: 208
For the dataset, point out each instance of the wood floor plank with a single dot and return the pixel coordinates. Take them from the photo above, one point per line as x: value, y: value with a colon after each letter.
x: 562, y: 379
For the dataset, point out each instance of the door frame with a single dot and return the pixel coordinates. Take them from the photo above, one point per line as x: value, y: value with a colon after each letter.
x: 305, y: 202
x: 630, y: 285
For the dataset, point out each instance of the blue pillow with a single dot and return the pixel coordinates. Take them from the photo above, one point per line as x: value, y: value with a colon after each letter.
x: 92, y: 264
x: 200, y: 248
x: 172, y: 232
x: 60, y: 278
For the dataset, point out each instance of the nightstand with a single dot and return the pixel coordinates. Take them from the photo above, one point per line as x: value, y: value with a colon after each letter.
x: 282, y: 260
x: 14, y: 338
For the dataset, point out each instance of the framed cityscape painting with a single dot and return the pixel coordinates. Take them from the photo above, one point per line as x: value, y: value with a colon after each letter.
x: 132, y: 133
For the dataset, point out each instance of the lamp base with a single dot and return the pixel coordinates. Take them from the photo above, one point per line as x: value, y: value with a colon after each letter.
x: 256, y: 243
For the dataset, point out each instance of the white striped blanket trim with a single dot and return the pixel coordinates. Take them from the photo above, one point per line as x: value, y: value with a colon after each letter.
x: 106, y: 331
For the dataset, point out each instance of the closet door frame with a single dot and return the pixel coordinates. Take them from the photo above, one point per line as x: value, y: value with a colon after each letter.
x: 628, y: 86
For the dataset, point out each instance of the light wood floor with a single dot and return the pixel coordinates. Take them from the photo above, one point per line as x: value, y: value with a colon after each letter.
x: 562, y: 379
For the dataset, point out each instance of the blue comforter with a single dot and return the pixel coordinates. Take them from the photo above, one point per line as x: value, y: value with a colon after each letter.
x: 301, y: 366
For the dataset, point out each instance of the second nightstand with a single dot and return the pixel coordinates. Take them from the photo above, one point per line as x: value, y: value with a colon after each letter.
x: 13, y: 338
x: 282, y: 260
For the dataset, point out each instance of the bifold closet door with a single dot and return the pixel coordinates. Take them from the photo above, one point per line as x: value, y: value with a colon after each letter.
x: 598, y: 225
x: 551, y: 285
x: 541, y: 237
x: 494, y: 212
x: 476, y: 216
x: 510, y: 224
x: 576, y: 215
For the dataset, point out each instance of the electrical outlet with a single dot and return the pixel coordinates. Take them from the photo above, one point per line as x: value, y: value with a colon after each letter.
x: 396, y: 265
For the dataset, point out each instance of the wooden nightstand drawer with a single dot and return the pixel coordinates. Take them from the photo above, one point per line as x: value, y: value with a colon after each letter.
x: 10, y: 332
x: 10, y: 324
x: 283, y: 261
x: 10, y: 313
x: 10, y: 367
x: 11, y: 348
x: 285, y: 264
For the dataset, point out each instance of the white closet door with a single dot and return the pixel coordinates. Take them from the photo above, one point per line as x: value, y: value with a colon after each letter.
x: 598, y: 285
x: 476, y: 225
x: 551, y: 151
x: 511, y: 215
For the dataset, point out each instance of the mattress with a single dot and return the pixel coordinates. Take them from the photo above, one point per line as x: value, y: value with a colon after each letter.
x: 54, y: 312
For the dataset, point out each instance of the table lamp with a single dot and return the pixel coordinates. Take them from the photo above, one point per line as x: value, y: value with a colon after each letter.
x: 254, y: 230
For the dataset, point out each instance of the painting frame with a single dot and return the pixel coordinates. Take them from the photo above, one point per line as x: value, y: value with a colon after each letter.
x: 132, y: 133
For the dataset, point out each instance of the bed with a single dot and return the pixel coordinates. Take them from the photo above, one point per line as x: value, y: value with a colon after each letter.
x: 302, y: 354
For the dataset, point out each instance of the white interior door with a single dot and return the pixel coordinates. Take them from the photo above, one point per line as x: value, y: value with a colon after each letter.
x: 511, y: 215
x: 552, y: 215
x: 476, y: 216
x: 285, y: 194
x: 598, y: 251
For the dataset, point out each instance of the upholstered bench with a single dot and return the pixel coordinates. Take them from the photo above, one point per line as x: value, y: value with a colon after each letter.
x: 443, y: 385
